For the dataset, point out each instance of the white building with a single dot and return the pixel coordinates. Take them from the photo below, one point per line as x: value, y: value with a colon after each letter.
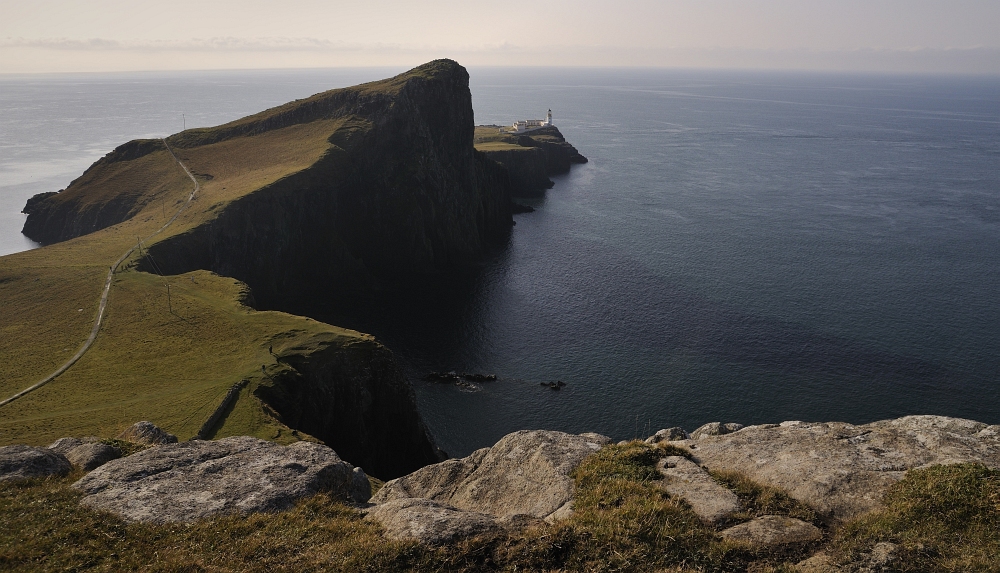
x: 531, y: 124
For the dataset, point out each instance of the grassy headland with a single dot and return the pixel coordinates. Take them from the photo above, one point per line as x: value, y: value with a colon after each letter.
x: 168, y: 358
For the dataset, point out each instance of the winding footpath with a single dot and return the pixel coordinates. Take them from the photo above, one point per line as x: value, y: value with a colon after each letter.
x: 107, y: 289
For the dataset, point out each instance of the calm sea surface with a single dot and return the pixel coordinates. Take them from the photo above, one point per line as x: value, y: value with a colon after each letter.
x: 748, y: 247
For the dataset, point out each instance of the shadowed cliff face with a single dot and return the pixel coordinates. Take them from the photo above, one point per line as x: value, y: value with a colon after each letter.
x: 401, y: 194
x: 359, y: 403
x: 531, y: 159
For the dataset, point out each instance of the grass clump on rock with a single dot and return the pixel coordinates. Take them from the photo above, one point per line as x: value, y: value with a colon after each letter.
x: 942, y: 518
x: 758, y: 499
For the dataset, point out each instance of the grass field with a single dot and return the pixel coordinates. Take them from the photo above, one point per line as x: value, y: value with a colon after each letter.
x: 489, y: 138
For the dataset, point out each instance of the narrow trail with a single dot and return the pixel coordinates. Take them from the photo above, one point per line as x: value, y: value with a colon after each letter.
x: 107, y: 289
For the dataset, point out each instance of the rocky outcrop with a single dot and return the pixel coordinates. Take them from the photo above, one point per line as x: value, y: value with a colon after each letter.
x: 842, y: 470
x: 684, y: 479
x: 19, y: 462
x: 430, y: 522
x: 62, y: 446
x: 668, y: 435
x: 89, y: 456
x: 147, y: 433
x: 715, y: 429
x: 526, y: 473
x: 191, y: 480
x: 771, y: 530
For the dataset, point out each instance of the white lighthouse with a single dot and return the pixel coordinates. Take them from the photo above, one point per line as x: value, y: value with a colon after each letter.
x: 526, y: 125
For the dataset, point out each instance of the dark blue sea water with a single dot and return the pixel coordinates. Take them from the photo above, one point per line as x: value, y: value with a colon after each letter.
x: 749, y: 247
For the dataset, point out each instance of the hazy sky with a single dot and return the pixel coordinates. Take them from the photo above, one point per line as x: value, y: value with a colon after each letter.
x: 891, y: 35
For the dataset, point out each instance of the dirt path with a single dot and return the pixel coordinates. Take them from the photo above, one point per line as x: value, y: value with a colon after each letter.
x: 107, y: 289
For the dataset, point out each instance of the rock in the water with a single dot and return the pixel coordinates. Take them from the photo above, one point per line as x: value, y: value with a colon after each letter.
x: 89, y: 456
x: 771, y: 530
x: 526, y: 472
x: 843, y: 470
x: 429, y: 522
x: 24, y: 462
x: 684, y: 479
x: 147, y: 433
x: 191, y: 480
x: 62, y: 446
x: 668, y: 435
x: 715, y: 429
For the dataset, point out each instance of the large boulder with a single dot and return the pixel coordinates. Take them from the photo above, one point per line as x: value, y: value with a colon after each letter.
x: 840, y: 469
x: 191, y: 480
x: 771, y: 530
x: 526, y: 472
x: 524, y: 477
x: 668, y: 435
x: 148, y: 434
x: 715, y: 429
x: 24, y: 462
x: 684, y: 479
x: 429, y: 522
x: 89, y: 456
x: 62, y: 446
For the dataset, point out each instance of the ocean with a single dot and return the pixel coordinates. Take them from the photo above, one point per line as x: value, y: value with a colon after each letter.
x: 742, y: 247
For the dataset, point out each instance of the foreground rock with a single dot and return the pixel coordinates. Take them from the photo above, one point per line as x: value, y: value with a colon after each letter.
x: 715, y: 429
x: 684, y: 479
x: 772, y: 530
x: 24, y: 462
x: 668, y: 435
x: 430, y: 522
x: 191, y: 480
x: 63, y: 446
x: 148, y: 434
x: 843, y: 470
x: 525, y: 473
x: 93, y: 455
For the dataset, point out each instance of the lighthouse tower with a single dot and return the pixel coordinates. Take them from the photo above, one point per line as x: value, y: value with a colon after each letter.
x: 548, y: 118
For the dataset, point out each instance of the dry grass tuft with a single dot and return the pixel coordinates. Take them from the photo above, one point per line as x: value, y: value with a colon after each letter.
x: 944, y: 518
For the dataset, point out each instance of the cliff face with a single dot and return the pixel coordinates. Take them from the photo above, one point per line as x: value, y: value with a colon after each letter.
x: 531, y: 158
x: 358, y: 402
x: 401, y: 194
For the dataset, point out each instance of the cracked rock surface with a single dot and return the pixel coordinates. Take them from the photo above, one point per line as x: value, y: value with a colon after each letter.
x: 771, y: 530
x: 843, y: 470
x: 526, y: 473
x: 19, y: 462
x: 191, y: 480
x: 685, y: 479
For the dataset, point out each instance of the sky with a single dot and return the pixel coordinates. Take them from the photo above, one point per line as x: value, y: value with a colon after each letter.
x: 906, y: 36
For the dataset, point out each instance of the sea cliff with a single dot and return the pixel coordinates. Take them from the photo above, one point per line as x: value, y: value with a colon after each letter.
x: 359, y: 189
x: 530, y: 158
